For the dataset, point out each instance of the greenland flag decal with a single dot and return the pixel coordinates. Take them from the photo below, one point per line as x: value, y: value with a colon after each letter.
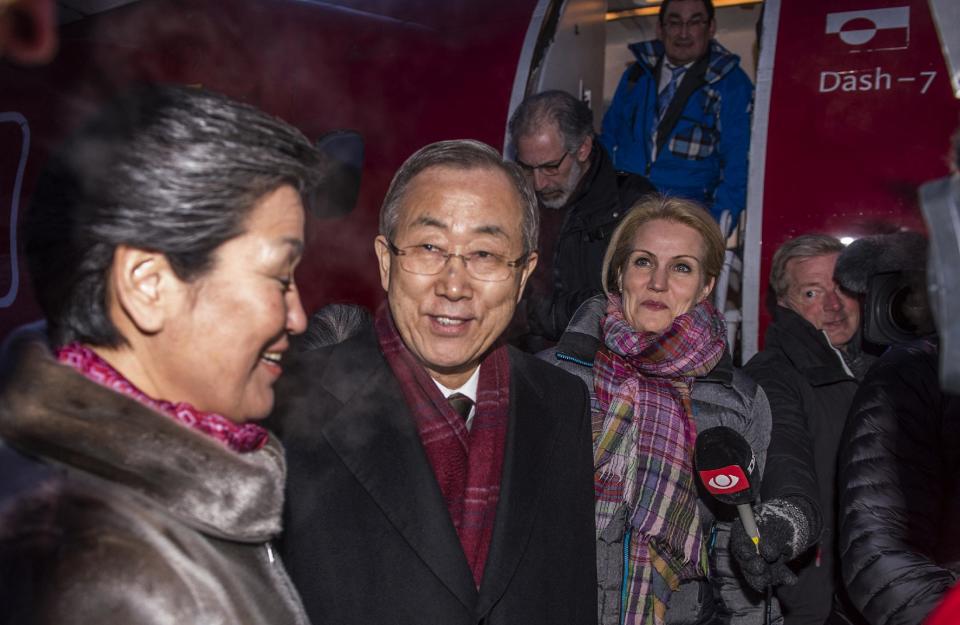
x: 725, y: 480
x: 872, y: 29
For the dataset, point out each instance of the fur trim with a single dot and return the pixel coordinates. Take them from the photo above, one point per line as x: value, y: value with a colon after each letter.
x: 866, y: 257
x: 49, y: 411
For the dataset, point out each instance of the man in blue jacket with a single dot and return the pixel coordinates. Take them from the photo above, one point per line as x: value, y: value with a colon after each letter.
x: 681, y: 113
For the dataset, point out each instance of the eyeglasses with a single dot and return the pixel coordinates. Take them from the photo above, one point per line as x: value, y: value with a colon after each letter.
x: 676, y: 25
x: 429, y: 260
x: 548, y: 169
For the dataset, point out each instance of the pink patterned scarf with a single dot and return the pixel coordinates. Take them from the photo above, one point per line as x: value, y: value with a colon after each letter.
x: 643, y: 450
x: 240, y: 437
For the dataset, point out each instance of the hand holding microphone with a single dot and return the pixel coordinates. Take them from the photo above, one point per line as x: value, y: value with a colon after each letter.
x: 783, y: 527
x: 762, y: 543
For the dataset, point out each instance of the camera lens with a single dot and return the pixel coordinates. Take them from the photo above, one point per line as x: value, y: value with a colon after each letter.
x: 896, y: 309
x: 900, y: 313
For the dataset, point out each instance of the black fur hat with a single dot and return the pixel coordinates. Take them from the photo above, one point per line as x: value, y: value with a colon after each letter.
x: 900, y: 251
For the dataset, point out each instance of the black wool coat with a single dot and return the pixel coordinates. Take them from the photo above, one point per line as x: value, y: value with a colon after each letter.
x: 368, y: 538
x: 810, y: 391
x: 590, y: 217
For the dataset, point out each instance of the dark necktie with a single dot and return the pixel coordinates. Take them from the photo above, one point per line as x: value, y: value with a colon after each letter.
x: 461, y: 404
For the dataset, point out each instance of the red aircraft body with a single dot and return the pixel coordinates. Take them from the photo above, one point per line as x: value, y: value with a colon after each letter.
x: 854, y: 108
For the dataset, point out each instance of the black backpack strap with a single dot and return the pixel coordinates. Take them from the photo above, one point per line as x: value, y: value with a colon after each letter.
x: 693, y: 80
x: 635, y: 70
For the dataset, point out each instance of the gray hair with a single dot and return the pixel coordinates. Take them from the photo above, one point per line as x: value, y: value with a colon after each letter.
x: 803, y: 246
x: 169, y: 169
x: 460, y: 154
x: 573, y: 118
x: 332, y: 324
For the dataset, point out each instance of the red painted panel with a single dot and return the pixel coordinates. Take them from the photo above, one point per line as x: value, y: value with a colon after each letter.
x: 403, y: 73
x: 854, y: 127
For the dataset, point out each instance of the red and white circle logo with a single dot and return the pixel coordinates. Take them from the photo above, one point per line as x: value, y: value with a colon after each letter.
x: 883, y: 29
x: 725, y: 480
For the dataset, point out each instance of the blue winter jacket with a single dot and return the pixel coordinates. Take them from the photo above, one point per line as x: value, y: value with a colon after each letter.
x: 705, y: 156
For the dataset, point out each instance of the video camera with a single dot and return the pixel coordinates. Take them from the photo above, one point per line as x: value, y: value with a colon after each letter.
x: 888, y: 270
x: 896, y: 309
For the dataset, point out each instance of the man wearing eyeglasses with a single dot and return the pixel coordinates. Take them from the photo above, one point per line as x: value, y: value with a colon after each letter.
x: 437, y: 475
x: 681, y: 113
x: 552, y: 136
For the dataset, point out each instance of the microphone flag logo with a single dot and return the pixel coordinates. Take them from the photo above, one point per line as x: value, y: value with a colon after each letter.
x: 882, y: 29
x: 725, y: 480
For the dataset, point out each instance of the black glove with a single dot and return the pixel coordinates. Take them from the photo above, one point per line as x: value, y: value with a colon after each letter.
x: 784, y: 526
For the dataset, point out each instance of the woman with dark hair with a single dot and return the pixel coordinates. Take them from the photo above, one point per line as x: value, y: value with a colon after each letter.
x: 653, y: 352
x: 162, y: 241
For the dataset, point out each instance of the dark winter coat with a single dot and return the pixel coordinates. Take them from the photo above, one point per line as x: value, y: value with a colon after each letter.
x: 111, y: 512
x: 368, y: 538
x: 810, y: 389
x: 899, y: 482
x: 725, y: 396
x: 590, y: 217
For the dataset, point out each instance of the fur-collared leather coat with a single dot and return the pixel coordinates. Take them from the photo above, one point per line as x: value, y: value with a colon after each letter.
x: 113, y: 513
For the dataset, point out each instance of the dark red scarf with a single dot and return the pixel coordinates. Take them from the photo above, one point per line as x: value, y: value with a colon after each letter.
x: 240, y: 437
x: 463, y: 462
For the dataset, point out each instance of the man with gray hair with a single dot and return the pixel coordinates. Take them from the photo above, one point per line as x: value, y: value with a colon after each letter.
x: 437, y: 475
x: 810, y: 368
x: 552, y: 136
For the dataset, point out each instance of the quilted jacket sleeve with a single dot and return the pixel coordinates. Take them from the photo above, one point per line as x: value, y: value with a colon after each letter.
x: 892, y: 491
x: 759, y: 421
x: 735, y: 116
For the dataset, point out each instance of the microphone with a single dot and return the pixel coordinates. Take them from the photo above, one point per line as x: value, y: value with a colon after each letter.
x: 728, y: 469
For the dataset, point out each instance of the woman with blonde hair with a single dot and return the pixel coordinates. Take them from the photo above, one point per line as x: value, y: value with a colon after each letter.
x: 653, y: 351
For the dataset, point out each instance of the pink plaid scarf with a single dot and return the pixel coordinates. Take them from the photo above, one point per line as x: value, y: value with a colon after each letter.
x: 643, y: 449
x: 240, y: 437
x: 468, y: 465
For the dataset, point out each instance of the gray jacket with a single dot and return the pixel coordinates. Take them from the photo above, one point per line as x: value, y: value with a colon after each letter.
x: 113, y: 513
x: 726, y: 397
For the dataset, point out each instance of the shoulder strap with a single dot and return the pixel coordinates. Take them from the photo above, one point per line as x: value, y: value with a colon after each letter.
x: 693, y: 80
x: 635, y: 70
